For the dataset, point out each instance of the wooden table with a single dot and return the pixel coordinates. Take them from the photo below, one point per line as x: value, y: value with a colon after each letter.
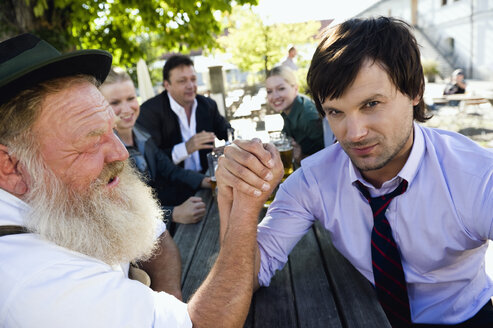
x: 317, y: 287
x: 464, y: 100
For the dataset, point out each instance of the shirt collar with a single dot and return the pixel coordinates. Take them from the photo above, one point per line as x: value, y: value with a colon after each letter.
x: 12, y: 209
x: 408, y: 171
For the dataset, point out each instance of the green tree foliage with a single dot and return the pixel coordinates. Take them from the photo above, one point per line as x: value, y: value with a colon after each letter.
x: 129, y: 29
x: 256, y: 46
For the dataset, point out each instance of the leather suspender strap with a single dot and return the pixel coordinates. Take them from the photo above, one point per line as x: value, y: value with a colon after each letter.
x: 12, y: 230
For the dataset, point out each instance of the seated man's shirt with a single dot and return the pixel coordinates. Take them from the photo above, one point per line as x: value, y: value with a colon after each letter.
x: 179, y: 153
x: 45, y: 285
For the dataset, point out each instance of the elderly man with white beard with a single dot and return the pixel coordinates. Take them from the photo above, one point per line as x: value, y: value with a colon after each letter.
x: 73, y: 210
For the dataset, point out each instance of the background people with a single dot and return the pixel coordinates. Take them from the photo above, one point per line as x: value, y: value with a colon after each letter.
x: 410, y: 207
x: 457, y: 84
x: 301, y: 119
x: 289, y: 61
x: 65, y: 180
x: 182, y: 123
x: 152, y: 162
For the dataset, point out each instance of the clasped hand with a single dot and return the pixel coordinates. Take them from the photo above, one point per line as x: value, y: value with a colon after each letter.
x: 249, y: 169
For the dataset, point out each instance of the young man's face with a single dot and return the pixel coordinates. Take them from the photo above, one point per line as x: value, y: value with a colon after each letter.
x: 75, y: 134
x: 373, y: 122
x: 182, y: 85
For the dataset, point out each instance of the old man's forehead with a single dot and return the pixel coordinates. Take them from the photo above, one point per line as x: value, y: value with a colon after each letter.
x: 77, y: 104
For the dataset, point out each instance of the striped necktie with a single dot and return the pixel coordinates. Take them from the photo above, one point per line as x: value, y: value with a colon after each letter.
x: 388, y: 273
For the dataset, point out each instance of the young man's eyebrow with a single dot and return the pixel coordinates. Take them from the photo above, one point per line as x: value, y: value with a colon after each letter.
x: 371, y: 98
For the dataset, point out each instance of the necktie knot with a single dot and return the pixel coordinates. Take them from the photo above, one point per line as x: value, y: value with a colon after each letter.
x: 380, y: 203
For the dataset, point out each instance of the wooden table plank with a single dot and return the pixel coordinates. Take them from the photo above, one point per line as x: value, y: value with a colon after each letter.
x: 187, y: 236
x: 205, y: 254
x: 357, y: 301
x: 314, y: 299
x: 274, y: 306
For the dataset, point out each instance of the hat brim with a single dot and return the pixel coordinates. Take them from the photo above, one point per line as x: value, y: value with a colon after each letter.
x: 91, y: 62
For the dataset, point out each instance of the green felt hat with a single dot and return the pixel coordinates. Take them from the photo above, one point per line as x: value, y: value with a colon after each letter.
x: 26, y: 60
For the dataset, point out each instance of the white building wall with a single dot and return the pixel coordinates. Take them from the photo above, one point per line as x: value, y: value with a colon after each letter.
x: 461, y: 30
x: 469, y: 23
x: 395, y: 8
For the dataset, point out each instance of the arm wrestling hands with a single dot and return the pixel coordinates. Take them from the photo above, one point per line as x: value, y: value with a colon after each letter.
x: 249, y: 167
x: 246, y: 175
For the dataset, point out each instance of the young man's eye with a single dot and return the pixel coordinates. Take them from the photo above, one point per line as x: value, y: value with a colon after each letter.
x: 372, y: 104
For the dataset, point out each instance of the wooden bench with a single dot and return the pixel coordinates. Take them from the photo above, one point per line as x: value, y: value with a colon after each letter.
x: 464, y: 100
x: 318, y: 287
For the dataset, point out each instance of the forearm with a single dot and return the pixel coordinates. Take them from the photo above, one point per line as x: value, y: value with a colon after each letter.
x: 224, y: 205
x: 224, y: 298
x: 164, y: 268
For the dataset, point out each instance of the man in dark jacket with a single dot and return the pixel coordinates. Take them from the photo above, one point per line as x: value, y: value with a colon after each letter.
x: 182, y: 123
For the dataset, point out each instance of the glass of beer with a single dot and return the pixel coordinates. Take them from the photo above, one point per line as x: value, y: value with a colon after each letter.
x: 286, y: 152
x: 283, y: 145
x: 212, y: 159
x: 285, y: 148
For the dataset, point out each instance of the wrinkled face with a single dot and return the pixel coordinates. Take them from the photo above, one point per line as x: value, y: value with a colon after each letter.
x: 182, y: 85
x: 123, y: 99
x: 373, y: 122
x: 280, y: 94
x: 75, y: 134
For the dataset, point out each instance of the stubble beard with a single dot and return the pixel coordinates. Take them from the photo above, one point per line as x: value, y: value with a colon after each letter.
x: 115, y: 226
x: 381, y: 161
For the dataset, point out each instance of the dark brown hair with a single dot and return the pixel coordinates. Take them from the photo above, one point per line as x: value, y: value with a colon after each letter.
x: 387, y: 41
x: 173, y: 62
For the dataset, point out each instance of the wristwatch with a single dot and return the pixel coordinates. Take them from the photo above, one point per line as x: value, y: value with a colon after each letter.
x: 167, y: 216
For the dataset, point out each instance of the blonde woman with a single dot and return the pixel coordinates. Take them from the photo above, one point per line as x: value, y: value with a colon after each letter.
x: 301, y: 119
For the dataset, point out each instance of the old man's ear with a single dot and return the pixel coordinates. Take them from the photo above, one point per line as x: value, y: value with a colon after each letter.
x: 11, y: 178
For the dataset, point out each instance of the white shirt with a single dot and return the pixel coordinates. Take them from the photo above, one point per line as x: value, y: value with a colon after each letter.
x: 290, y: 63
x: 179, y: 152
x: 45, y: 285
x: 441, y: 224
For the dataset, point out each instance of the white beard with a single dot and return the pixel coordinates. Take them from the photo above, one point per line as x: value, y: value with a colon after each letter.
x: 115, y: 226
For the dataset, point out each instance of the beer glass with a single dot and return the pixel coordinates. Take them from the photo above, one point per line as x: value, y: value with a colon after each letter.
x: 212, y: 159
x: 283, y: 145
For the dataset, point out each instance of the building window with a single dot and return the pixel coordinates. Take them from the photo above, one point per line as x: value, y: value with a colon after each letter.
x: 450, y: 44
